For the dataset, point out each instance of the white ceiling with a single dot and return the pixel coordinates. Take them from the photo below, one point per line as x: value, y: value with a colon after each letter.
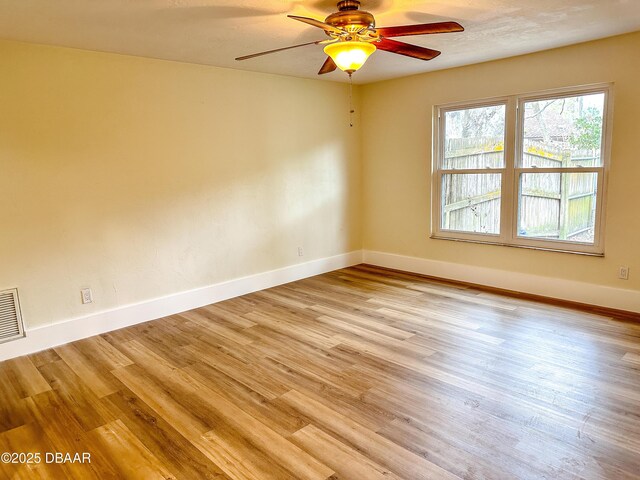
x: 214, y: 32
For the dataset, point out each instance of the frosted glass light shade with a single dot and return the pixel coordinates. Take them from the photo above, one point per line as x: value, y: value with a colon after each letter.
x: 349, y: 56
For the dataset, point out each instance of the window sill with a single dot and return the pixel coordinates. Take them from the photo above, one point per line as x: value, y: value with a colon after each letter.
x: 513, y: 245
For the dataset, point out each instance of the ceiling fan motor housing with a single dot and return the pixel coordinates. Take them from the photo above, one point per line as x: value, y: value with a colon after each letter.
x: 350, y: 18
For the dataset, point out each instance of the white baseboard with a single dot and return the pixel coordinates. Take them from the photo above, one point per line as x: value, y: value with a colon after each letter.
x: 49, y: 336
x: 581, y: 292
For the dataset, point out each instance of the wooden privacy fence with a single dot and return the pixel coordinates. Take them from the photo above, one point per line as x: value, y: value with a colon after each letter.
x: 552, y: 205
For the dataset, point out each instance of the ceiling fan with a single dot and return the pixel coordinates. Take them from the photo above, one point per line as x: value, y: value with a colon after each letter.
x: 353, y: 36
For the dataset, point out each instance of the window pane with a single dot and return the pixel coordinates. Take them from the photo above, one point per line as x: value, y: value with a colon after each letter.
x: 558, y: 206
x: 471, y: 202
x: 474, y: 138
x: 563, y: 132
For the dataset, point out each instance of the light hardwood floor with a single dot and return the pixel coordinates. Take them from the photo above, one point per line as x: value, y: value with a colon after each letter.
x: 357, y: 374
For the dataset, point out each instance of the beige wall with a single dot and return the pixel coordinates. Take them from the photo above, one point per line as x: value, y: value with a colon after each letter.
x: 142, y: 178
x: 397, y: 123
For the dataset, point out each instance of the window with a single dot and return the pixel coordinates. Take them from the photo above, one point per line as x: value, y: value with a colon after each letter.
x: 525, y: 170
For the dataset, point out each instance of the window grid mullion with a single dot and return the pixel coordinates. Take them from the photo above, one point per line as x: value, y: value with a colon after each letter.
x: 560, y: 170
x: 472, y: 171
x: 508, y: 192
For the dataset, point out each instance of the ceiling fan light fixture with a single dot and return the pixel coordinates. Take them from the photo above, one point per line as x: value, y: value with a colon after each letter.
x: 349, y: 56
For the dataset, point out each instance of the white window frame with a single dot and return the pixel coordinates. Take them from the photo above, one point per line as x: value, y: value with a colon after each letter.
x: 512, y: 170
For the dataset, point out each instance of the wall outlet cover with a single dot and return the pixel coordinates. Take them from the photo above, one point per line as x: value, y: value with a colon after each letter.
x: 87, y: 296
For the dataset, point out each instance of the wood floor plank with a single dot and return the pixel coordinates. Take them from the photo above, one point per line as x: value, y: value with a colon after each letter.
x: 45, y: 356
x: 372, y: 334
x: 172, y: 449
x: 420, y: 316
x: 103, y: 353
x: 367, y: 415
x: 292, y: 329
x: 253, y: 378
x: 376, y: 447
x: 633, y: 358
x: 474, y: 298
x: 383, y: 352
x: 225, y: 312
x: 14, y: 411
x: 181, y: 413
x: 28, y: 377
x: 101, y: 384
x: 208, y: 321
x: 272, y: 413
x: 30, y: 438
x: 130, y: 456
x: 67, y: 435
x: 239, y: 459
x: 346, y: 461
x: 457, y: 450
x: 76, y: 395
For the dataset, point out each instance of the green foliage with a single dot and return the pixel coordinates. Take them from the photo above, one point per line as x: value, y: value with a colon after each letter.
x: 587, y: 130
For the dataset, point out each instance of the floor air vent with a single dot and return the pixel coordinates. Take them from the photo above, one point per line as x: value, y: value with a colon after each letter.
x: 11, y: 326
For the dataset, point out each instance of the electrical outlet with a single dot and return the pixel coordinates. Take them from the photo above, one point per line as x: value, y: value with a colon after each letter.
x: 623, y: 273
x: 87, y: 296
x: 300, y: 252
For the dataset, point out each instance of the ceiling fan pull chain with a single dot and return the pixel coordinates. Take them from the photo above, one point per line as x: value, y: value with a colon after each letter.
x: 351, y: 110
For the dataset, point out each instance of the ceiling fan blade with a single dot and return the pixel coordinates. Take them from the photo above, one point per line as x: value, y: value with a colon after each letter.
x: 328, y: 66
x: 401, y: 48
x: 317, y: 23
x: 253, y: 55
x: 422, y: 29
